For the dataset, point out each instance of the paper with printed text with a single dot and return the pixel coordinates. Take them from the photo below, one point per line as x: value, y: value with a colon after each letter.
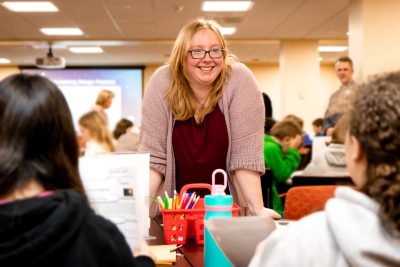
x: 117, y: 186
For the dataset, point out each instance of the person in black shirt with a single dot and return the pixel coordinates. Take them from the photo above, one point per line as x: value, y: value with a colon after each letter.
x: 45, y: 218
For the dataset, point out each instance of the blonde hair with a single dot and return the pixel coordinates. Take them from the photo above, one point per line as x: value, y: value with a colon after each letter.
x: 97, y: 127
x: 179, y: 94
x: 103, y: 96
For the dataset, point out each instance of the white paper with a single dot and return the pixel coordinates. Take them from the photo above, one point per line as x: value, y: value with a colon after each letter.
x: 117, y: 186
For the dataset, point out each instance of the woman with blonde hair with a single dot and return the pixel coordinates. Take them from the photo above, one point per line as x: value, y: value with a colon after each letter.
x: 103, y: 102
x: 95, y: 134
x: 204, y: 111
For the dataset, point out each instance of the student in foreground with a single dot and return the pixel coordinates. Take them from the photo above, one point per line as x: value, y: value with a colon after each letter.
x: 45, y: 218
x: 357, y: 228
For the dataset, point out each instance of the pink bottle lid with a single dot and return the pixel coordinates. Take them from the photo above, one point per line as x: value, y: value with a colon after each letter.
x: 218, y: 189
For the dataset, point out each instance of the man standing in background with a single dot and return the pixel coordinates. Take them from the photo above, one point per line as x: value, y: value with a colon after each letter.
x: 340, y: 100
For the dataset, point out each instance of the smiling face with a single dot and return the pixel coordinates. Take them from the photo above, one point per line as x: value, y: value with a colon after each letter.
x: 201, y: 73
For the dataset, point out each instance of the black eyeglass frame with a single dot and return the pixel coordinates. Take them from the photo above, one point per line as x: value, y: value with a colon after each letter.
x: 207, y: 52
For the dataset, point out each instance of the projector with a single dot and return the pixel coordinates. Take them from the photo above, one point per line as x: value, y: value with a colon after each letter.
x: 50, y: 62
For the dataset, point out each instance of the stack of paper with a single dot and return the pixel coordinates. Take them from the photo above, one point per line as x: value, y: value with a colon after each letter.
x: 164, y: 254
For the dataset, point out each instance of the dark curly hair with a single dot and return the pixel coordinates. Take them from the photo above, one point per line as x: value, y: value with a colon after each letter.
x: 374, y: 122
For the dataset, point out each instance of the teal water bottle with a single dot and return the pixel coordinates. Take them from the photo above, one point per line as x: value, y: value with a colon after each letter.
x: 218, y: 204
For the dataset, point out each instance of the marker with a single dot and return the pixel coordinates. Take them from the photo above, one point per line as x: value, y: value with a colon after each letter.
x: 182, y: 200
x: 170, y: 203
x: 190, y: 200
x: 194, y: 204
x: 185, y: 201
x: 166, y: 203
x: 174, y: 202
x: 177, y: 202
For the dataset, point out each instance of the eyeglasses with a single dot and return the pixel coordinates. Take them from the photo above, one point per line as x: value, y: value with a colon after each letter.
x: 201, y: 53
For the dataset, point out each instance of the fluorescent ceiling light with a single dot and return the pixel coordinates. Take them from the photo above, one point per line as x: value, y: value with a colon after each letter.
x: 30, y: 6
x: 4, y: 60
x: 61, y: 31
x: 336, y: 48
x: 76, y: 43
x: 99, y: 43
x: 226, y: 6
x: 227, y: 30
x: 86, y: 49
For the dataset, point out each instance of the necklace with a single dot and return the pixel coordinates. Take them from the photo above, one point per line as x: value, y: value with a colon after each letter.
x: 201, y: 101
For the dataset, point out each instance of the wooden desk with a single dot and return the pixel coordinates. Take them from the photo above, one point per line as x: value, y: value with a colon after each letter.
x: 193, y: 255
x: 322, y: 179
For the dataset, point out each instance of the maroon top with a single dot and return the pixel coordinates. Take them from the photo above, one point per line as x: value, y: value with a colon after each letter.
x: 199, y: 149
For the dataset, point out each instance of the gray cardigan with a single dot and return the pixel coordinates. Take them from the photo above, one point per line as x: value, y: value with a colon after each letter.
x: 243, y: 109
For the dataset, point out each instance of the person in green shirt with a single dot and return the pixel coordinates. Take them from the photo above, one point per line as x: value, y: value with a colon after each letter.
x: 281, y: 155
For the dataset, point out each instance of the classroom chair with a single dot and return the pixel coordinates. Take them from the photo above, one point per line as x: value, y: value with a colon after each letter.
x: 303, y: 200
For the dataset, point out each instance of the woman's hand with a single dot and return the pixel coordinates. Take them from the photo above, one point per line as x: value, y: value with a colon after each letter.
x: 250, y: 185
x: 270, y: 213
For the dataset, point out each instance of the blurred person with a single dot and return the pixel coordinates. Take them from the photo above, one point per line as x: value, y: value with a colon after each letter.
x: 45, y: 216
x: 269, y: 120
x: 307, y: 141
x: 126, y: 138
x: 267, y: 105
x: 95, y: 134
x: 204, y: 111
x: 281, y: 155
x: 122, y: 127
x: 340, y: 100
x: 103, y: 102
x: 318, y: 127
x: 358, y: 227
x: 332, y: 159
